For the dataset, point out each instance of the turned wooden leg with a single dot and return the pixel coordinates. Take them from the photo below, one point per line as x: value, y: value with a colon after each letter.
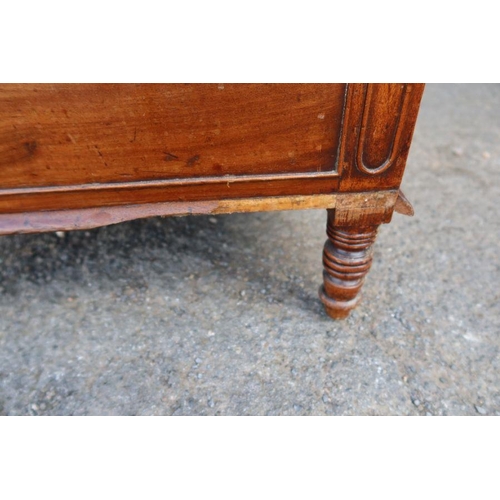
x: 347, y: 258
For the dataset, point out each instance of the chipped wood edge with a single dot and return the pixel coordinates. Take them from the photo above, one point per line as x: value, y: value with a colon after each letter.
x: 349, y: 208
x: 403, y: 205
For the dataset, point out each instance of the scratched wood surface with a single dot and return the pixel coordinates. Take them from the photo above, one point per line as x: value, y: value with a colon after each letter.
x: 53, y: 135
x: 349, y: 208
x: 69, y: 147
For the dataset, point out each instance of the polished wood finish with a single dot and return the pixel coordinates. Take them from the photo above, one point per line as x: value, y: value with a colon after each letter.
x: 379, y: 122
x: 57, y: 135
x: 347, y: 258
x: 78, y: 146
x: 80, y: 156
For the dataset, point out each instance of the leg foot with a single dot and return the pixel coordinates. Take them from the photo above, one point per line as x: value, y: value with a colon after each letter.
x: 347, y: 258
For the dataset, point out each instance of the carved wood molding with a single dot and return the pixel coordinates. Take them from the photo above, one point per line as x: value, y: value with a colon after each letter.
x: 379, y: 119
x: 398, y: 102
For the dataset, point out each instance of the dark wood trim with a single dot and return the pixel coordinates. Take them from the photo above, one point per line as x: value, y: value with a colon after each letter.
x: 91, y: 195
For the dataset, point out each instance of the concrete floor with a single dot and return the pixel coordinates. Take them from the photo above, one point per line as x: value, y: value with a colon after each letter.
x: 220, y: 315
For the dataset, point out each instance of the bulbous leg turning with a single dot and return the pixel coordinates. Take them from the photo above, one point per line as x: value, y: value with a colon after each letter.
x: 347, y: 258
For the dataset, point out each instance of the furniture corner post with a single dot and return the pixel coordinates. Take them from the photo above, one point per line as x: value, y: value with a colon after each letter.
x: 347, y: 258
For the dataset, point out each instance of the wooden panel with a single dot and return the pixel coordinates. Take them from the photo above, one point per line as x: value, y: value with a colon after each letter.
x: 379, y: 121
x: 56, y: 135
x: 375, y: 133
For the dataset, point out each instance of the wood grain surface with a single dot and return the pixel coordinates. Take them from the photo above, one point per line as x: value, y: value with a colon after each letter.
x: 68, y: 147
x: 53, y: 135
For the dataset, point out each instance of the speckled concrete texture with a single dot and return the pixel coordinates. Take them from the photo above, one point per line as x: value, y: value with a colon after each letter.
x: 220, y: 315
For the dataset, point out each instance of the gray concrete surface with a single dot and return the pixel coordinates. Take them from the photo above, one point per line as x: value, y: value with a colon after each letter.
x: 220, y: 315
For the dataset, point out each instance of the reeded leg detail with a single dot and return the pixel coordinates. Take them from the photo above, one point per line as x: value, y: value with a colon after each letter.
x: 347, y: 258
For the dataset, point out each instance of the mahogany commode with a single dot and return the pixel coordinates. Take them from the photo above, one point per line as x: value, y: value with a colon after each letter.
x: 77, y: 156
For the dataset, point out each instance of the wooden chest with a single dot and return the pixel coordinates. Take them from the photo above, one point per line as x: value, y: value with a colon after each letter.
x: 82, y: 156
